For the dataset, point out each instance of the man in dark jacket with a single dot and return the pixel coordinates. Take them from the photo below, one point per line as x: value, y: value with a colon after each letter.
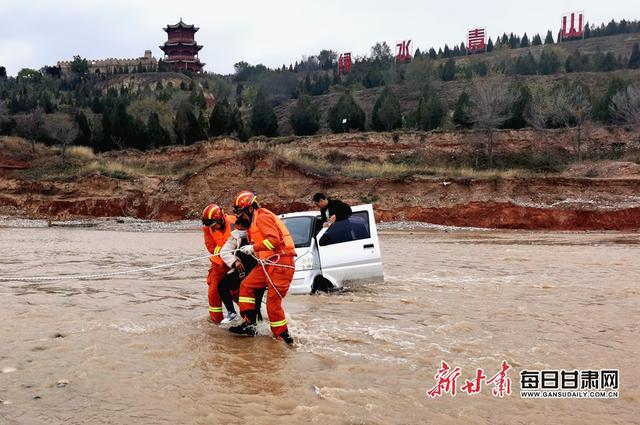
x: 331, y: 210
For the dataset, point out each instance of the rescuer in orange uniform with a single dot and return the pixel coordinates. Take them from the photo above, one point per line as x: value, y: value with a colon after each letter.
x: 217, y: 227
x: 270, y: 240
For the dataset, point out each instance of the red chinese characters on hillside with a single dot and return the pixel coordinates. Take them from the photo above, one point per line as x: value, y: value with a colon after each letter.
x: 344, y: 63
x: 403, y: 51
x: 571, y: 28
x: 476, y: 41
x: 180, y: 49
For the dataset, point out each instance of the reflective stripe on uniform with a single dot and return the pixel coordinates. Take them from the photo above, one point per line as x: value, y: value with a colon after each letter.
x: 268, y: 244
x: 215, y: 309
x: 247, y: 300
x: 280, y: 323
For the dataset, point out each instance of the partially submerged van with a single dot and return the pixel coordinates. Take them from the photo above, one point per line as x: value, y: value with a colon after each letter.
x: 329, y: 257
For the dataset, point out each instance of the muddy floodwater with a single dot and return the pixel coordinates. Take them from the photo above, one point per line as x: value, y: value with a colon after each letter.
x: 139, y: 349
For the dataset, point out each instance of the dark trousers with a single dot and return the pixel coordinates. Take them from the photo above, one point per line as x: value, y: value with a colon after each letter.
x: 231, y: 283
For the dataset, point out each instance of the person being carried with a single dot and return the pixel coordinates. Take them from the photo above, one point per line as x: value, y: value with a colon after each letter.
x: 217, y: 227
x: 331, y: 210
x: 240, y: 265
x: 270, y: 240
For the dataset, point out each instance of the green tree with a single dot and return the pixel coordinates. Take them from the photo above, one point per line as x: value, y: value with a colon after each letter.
x: 549, y: 38
x: 448, y: 70
x: 29, y: 75
x: 549, y: 62
x: 461, y: 111
x: 79, y: 66
x: 430, y: 112
x: 537, y: 40
x: 521, y: 96
x: 186, y: 125
x: 263, y: 118
x: 525, y: 65
x: 381, y: 52
x: 387, y: 114
x: 3, y: 73
x: 305, y: 117
x: 346, y: 115
x: 601, y: 110
x: 525, y: 41
x: 157, y: 135
x: 327, y: 59
x: 84, y: 129
x: 634, y: 59
x: 220, y: 119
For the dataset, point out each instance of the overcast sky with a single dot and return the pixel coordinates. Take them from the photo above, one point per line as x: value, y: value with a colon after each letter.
x: 35, y: 33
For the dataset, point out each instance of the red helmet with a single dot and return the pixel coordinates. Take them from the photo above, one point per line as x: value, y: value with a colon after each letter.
x: 243, y: 200
x: 213, y: 212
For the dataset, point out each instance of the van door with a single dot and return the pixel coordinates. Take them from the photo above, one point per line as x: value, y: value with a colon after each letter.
x: 349, y: 250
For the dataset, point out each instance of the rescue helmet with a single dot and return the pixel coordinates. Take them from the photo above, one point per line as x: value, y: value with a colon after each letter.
x: 212, y: 214
x: 244, y: 200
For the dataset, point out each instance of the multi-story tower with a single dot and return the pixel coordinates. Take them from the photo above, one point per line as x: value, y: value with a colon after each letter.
x: 181, y: 49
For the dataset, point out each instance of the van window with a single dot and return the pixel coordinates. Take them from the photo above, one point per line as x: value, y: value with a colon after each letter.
x: 354, y: 228
x: 300, y: 229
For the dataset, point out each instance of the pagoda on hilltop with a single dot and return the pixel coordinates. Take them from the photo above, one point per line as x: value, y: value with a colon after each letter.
x: 181, y: 49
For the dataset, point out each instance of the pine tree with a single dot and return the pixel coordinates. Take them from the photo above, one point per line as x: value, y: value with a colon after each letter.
x: 447, y: 51
x: 537, y: 40
x: 430, y: 112
x: 461, y: 111
x: 463, y: 49
x: 305, y: 117
x: 634, y: 59
x: 84, y: 129
x: 549, y: 38
x: 386, y: 114
x: 432, y: 53
x: 186, y: 125
x: 490, y: 45
x: 220, y: 119
x: 263, y: 118
x: 346, y: 115
x: 549, y: 62
x: 513, y: 41
x: 157, y: 135
x: 601, y: 110
x: 525, y: 65
x: 448, y: 70
x: 525, y: 41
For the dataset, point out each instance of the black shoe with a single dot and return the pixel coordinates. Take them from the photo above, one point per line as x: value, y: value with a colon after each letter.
x: 286, y: 337
x: 244, y: 329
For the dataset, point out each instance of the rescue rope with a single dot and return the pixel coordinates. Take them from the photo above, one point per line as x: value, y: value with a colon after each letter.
x: 98, y: 276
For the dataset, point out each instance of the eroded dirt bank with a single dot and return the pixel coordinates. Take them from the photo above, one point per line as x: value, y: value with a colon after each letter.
x: 286, y: 176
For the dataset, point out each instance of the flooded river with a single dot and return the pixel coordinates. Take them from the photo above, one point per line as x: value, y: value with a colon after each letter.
x: 139, y: 349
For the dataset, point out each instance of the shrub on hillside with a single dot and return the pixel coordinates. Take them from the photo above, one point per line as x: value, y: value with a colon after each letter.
x: 346, y: 115
x: 386, y: 115
x: 305, y: 117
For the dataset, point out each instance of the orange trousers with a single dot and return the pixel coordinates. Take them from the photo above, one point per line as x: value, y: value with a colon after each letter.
x: 281, y: 280
x: 216, y: 273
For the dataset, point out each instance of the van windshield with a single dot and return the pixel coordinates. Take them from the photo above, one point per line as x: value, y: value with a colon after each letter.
x: 300, y: 229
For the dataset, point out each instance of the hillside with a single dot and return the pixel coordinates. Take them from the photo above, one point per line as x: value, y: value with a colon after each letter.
x: 397, y: 177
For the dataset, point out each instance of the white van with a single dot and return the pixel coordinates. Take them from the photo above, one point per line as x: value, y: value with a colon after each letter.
x: 328, y: 258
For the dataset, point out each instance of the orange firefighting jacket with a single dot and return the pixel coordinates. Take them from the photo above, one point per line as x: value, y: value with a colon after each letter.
x: 215, y: 239
x: 269, y: 235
